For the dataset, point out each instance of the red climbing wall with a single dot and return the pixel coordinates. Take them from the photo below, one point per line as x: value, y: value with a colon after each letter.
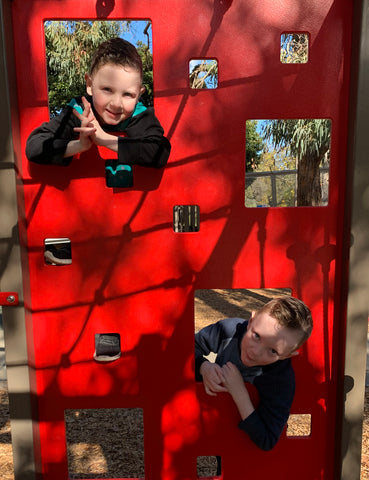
x: 132, y: 274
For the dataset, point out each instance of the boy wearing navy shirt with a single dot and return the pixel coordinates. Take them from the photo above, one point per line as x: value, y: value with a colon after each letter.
x: 259, y: 352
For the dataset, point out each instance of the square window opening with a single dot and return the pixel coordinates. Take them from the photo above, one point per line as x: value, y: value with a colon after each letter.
x: 294, y: 47
x: 203, y: 73
x: 209, y: 466
x: 57, y: 251
x: 299, y: 425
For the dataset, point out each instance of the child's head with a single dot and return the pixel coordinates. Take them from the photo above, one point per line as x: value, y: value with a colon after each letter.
x: 276, y: 331
x: 116, y: 51
x: 291, y: 313
x: 115, y: 81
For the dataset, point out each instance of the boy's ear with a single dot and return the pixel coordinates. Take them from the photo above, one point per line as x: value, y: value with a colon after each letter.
x: 88, y: 81
x: 142, y: 90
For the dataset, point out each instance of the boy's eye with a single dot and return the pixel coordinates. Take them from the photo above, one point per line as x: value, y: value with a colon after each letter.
x: 256, y: 336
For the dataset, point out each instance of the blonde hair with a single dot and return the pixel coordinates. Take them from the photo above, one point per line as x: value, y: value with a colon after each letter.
x: 291, y: 313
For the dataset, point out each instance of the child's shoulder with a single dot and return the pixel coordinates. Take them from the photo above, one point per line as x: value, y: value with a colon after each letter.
x: 232, y: 325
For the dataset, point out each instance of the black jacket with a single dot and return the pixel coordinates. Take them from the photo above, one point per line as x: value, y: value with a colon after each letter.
x: 144, y: 143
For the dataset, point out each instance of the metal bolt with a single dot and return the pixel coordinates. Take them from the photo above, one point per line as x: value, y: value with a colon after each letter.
x: 10, y: 299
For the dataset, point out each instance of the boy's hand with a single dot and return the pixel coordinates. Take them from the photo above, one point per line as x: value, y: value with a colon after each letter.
x: 213, y: 378
x: 233, y: 380
x: 87, y: 129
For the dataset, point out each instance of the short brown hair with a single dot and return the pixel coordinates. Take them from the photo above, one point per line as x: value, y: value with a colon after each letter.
x: 291, y: 313
x: 116, y: 51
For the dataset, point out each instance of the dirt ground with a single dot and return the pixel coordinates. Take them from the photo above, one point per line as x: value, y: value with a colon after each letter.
x: 95, y: 452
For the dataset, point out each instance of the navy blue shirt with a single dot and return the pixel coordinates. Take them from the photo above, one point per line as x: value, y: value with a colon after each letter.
x: 275, y: 383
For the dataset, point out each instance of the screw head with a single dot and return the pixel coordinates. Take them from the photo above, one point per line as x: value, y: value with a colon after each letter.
x: 10, y: 299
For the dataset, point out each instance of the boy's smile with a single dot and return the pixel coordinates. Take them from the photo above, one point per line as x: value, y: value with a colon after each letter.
x: 115, y: 91
x: 266, y: 341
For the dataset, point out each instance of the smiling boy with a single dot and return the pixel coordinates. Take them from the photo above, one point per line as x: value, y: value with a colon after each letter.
x: 259, y: 352
x: 110, y: 108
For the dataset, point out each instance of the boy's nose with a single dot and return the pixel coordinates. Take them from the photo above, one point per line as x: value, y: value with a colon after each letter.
x: 116, y: 102
x: 257, y: 352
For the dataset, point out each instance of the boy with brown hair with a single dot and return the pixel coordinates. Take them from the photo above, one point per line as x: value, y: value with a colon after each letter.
x: 114, y: 86
x: 259, y: 352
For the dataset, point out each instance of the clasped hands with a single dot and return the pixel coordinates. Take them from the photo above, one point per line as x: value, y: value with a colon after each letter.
x: 218, y: 379
x: 90, y: 131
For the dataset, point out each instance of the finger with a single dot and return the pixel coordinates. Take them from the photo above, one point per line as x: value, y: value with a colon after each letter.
x: 86, y: 103
x: 77, y: 114
x: 209, y: 392
x: 220, y: 388
x: 85, y: 130
x: 217, y: 387
x: 218, y: 376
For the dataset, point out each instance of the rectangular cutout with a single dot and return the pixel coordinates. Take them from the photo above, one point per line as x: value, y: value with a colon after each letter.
x: 299, y: 425
x: 186, y: 218
x: 105, y: 443
x: 287, y: 162
x: 69, y: 48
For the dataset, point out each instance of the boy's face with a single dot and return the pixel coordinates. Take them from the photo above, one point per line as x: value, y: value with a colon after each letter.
x: 266, y: 341
x: 115, y: 91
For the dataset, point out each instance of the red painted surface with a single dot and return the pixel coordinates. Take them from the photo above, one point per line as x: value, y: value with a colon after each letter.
x: 133, y: 275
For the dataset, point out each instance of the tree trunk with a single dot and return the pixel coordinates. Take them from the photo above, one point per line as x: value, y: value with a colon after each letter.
x: 308, y: 181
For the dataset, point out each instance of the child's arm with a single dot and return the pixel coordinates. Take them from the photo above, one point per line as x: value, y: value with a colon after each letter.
x: 145, y: 143
x: 235, y: 385
x: 47, y: 144
x: 275, y: 387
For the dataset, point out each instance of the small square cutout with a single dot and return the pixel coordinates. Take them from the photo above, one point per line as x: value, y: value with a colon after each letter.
x: 203, y: 74
x: 57, y: 251
x: 294, y: 48
x: 186, y: 218
x: 209, y: 466
x: 299, y: 425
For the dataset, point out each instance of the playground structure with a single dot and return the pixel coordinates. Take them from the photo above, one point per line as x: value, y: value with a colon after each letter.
x: 135, y: 275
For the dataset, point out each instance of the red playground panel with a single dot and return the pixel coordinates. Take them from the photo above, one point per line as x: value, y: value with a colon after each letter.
x: 133, y: 275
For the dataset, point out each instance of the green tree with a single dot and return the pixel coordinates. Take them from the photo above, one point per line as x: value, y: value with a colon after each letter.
x: 254, y: 146
x: 148, y: 81
x: 309, y: 142
x: 69, y: 47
